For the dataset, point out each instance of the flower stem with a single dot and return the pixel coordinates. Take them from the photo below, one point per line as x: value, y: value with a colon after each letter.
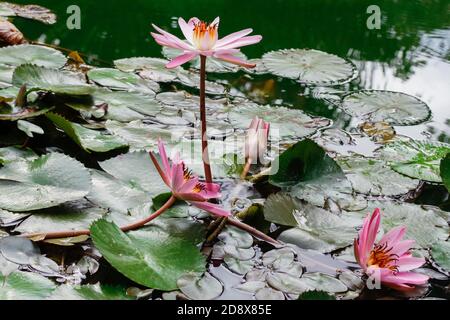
x: 205, y: 152
x: 246, y: 168
x: 76, y: 233
x: 255, y: 232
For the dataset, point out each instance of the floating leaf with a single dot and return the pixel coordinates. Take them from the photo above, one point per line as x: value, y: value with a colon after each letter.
x: 75, y: 215
x: 29, y: 128
x: 109, y: 192
x: 269, y: 294
x: 137, y: 170
x: 320, y: 281
x: 89, y: 292
x: 310, y: 66
x: 120, y: 80
x: 380, y: 132
x: 320, y: 229
x: 444, y: 169
x: 393, y: 107
x: 126, y: 106
x: 149, y: 68
x: 25, y: 286
x: 375, y: 177
x: 151, y: 258
x: 32, y: 54
x: 40, y: 78
x: 10, y: 154
x: 45, y: 182
x: 89, y: 140
x: 416, y: 159
x: 284, y: 122
x: 205, y: 287
x: 29, y: 11
x: 441, y: 254
x: 9, y: 34
x: 314, y: 177
x: 287, y: 283
x: 138, y: 134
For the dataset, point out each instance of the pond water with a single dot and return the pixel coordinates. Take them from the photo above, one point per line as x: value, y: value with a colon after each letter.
x: 410, y: 53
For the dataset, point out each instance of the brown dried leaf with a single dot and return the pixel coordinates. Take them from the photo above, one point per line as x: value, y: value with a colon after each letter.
x: 30, y: 11
x: 380, y: 132
x: 9, y: 33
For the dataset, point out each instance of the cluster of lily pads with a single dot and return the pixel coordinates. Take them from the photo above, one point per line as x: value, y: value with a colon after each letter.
x: 100, y: 177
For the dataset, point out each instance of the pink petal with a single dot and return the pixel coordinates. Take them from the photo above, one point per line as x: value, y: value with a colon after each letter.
x: 374, y: 225
x: 235, y: 60
x: 212, y: 208
x: 233, y: 36
x: 225, y: 51
x: 394, y: 235
x: 186, y: 28
x: 163, y: 155
x: 211, y: 191
x: 216, y: 21
x: 181, y: 59
x: 163, y: 175
x: 409, y: 263
x: 245, y: 41
x: 402, y: 247
x: 190, y: 196
x: 366, y: 235
x: 356, y: 253
x: 173, y: 38
x: 405, y: 278
x: 177, y: 175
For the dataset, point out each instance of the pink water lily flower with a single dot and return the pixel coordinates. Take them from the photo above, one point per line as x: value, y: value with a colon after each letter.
x: 203, y: 39
x: 256, y: 139
x: 390, y: 259
x: 186, y: 186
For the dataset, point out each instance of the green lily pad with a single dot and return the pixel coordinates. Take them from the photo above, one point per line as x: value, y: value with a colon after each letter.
x: 149, y: 68
x: 285, y: 123
x: 316, y: 228
x: 320, y: 281
x: 29, y: 128
x: 75, y: 215
x: 444, y: 169
x: 126, y: 106
x: 394, y: 107
x: 40, y: 78
x: 32, y: 54
x: 441, y: 254
x: 25, y: 286
x: 88, y: 139
x: 28, y: 11
x: 316, y: 295
x: 45, y: 182
x: 137, y: 170
x: 314, y: 176
x: 11, y: 154
x: 269, y: 294
x: 310, y: 66
x: 138, y: 134
x: 375, y: 177
x: 205, y: 287
x: 89, y: 292
x: 120, y: 80
x: 416, y: 159
x: 109, y: 192
x: 6, y: 74
x: 151, y: 258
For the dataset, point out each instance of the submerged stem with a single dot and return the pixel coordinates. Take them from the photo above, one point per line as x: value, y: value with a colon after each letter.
x: 69, y: 234
x: 205, y: 152
x: 246, y: 168
x: 254, y: 232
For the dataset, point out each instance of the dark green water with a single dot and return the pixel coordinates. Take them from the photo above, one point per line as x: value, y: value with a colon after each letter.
x: 410, y: 53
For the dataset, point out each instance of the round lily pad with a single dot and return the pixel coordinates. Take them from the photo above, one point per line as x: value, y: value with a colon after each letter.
x: 309, y: 66
x: 393, y: 107
x: 285, y: 123
x: 32, y: 54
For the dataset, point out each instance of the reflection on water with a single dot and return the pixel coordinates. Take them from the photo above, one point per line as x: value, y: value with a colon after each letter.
x: 410, y: 53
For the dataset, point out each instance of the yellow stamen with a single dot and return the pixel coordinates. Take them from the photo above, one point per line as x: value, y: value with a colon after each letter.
x: 381, y: 257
